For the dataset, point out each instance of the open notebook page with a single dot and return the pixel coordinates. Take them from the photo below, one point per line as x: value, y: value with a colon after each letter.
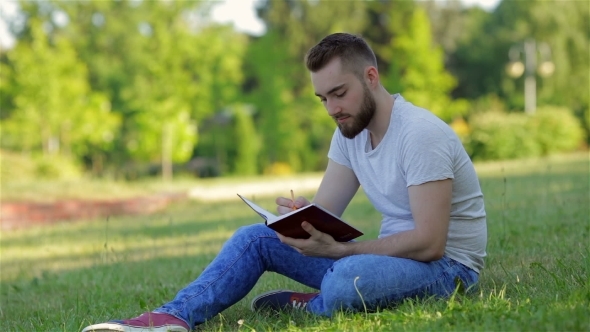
x: 269, y: 217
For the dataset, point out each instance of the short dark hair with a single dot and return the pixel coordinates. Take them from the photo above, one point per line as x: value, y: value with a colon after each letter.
x: 352, y: 50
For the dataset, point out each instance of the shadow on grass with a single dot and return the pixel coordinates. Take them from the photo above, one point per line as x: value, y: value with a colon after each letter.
x: 70, y: 300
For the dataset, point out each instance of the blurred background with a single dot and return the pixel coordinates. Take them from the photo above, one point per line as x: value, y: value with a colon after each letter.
x: 136, y: 89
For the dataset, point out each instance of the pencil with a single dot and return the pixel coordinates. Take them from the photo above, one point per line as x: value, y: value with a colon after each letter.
x: 293, y: 200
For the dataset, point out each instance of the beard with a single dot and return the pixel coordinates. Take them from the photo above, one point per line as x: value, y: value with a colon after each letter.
x: 362, y: 119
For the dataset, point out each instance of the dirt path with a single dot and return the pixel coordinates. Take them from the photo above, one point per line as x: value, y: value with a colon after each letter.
x: 24, y: 214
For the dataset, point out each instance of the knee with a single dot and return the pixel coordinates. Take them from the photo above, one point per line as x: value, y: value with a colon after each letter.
x: 347, y: 284
x: 252, y: 232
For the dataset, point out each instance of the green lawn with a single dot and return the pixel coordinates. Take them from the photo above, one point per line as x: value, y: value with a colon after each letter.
x: 65, y: 276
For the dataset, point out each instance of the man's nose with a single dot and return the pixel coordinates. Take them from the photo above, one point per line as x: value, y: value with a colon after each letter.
x: 333, y: 108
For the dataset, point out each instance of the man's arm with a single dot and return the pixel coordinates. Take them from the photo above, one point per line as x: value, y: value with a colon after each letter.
x: 337, y: 188
x: 431, y: 208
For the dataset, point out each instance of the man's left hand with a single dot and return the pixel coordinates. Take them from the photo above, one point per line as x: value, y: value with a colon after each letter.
x: 318, y: 245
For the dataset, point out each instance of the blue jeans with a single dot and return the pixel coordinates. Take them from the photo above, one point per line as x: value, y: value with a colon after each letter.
x: 252, y: 250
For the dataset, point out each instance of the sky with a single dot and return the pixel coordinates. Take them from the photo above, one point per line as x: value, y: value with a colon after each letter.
x: 239, y: 12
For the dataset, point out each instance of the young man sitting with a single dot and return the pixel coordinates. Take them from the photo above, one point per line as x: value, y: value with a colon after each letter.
x: 415, y: 172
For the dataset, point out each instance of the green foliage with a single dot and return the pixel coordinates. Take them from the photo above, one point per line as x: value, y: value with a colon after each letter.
x: 418, y: 72
x: 482, y: 52
x: 294, y: 127
x: 557, y: 130
x: 17, y: 167
x: 497, y: 135
x: 121, y: 86
x: 150, y: 61
x: 273, y: 95
x: 247, y: 142
x: 487, y: 103
x: 477, y: 65
x: 54, y: 108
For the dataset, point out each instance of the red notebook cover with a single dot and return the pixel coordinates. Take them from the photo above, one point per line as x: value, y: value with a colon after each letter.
x: 290, y: 224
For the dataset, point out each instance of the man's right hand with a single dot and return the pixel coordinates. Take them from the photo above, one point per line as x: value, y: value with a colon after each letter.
x: 286, y: 205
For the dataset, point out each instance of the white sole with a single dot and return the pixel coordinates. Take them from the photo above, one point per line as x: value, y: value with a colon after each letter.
x: 113, y: 327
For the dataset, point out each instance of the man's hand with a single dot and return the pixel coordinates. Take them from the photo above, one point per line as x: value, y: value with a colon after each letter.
x: 318, y: 245
x: 286, y: 205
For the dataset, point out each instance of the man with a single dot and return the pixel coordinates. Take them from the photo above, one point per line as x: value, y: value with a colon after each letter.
x: 414, y: 170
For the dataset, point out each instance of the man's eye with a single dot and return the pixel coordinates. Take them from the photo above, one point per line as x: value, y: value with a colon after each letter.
x: 341, y: 95
x: 323, y: 100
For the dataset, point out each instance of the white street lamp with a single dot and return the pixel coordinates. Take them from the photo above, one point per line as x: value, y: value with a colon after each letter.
x: 516, y: 68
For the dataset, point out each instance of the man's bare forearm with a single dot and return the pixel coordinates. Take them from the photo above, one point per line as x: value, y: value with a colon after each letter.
x: 410, y: 244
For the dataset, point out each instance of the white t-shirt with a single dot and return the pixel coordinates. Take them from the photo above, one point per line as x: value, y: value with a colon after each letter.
x: 418, y: 147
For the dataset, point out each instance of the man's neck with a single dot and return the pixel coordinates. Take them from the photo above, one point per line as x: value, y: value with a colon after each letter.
x: 380, y: 122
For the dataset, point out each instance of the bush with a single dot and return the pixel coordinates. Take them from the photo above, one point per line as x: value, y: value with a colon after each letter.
x: 498, y: 135
x: 557, y: 130
x: 278, y: 168
x: 16, y: 167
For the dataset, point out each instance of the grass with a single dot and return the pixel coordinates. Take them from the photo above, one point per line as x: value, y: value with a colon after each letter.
x: 65, y: 276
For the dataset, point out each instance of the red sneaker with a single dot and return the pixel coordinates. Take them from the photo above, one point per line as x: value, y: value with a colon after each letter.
x: 149, y: 321
x: 278, y: 300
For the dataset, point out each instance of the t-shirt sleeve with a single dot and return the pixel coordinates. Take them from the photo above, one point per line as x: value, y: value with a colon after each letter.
x: 338, y: 151
x: 426, y: 153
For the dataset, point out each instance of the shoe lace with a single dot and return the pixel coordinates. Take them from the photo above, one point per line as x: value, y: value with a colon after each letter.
x: 299, y: 304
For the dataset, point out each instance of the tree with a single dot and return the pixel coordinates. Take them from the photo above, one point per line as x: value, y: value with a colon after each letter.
x: 409, y: 60
x: 473, y: 60
x: 294, y: 127
x: 148, y: 59
x: 482, y: 53
x: 246, y: 142
x: 54, y: 109
x: 417, y: 69
x: 179, y: 86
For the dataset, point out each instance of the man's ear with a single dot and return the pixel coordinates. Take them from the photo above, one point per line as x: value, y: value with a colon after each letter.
x: 372, y: 76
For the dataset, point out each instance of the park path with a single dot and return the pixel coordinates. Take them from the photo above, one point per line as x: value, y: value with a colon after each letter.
x: 260, y: 187
x: 15, y: 215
